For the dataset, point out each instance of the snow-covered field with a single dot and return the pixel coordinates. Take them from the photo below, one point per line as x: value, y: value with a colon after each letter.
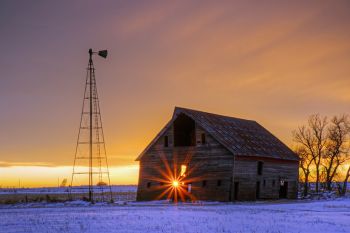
x: 320, y: 216
x: 52, y: 194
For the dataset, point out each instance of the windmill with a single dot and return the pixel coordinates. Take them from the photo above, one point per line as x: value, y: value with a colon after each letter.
x: 90, y: 154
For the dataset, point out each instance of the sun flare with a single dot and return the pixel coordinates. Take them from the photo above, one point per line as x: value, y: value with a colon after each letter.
x: 175, y: 184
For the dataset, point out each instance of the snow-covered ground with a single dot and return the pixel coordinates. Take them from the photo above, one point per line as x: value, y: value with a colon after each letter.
x: 315, y: 216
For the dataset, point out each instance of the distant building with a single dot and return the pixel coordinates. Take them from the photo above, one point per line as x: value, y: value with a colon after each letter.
x: 205, y: 156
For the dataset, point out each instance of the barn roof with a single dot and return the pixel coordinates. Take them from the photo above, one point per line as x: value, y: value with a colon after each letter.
x: 240, y: 136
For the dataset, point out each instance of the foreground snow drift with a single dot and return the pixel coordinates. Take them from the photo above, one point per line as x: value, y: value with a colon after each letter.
x: 322, y: 216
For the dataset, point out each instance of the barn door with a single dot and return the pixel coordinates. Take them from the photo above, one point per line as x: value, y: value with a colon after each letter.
x: 283, y: 189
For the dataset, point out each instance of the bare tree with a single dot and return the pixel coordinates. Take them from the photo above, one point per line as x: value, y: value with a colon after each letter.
x: 306, y: 159
x: 318, y: 127
x: 345, y: 183
x: 336, y: 150
x: 313, y: 140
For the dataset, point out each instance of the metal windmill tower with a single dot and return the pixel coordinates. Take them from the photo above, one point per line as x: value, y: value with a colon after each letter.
x: 90, y: 154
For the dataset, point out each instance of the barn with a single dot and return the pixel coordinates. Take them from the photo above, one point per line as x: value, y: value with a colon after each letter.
x: 205, y: 156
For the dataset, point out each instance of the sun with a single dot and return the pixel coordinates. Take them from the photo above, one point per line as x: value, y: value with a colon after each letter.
x: 175, y: 184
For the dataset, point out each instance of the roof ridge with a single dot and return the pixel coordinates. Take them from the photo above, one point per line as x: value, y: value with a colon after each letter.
x: 214, y: 114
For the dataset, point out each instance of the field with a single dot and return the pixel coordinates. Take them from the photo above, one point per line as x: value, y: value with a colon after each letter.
x: 269, y: 217
x: 22, y: 195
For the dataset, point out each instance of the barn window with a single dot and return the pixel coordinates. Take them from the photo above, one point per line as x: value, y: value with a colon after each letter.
x: 184, y: 131
x: 149, y: 184
x: 219, y: 183
x: 203, y: 138
x: 264, y: 183
x: 183, y: 170
x: 204, y: 183
x: 260, y: 167
x: 166, y: 141
x: 273, y: 182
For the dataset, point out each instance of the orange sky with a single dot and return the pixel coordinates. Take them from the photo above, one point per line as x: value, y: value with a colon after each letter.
x: 275, y: 62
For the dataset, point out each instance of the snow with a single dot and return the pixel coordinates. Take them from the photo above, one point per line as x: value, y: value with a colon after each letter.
x: 161, y: 216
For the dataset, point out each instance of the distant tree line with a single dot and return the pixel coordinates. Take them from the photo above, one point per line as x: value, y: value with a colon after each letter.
x: 323, y: 147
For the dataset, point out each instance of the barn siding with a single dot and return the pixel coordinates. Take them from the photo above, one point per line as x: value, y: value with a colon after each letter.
x: 273, y: 170
x: 212, y: 162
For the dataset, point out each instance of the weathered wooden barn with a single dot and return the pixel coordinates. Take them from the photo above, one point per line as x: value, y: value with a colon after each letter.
x: 205, y: 156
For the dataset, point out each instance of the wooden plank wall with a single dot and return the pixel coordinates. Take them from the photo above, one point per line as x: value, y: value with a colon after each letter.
x: 273, y: 171
x: 212, y: 162
x: 209, y: 162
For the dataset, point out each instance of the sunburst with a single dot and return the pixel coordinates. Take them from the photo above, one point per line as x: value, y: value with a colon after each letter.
x: 175, y: 184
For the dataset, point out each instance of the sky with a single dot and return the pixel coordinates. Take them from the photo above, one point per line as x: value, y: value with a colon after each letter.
x: 275, y: 62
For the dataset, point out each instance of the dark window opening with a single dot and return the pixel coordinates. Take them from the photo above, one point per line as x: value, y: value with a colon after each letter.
x: 166, y: 141
x: 219, y: 183
x: 273, y: 183
x: 184, y: 131
x: 203, y: 138
x: 149, y: 184
x: 204, y: 183
x: 260, y: 167
x: 283, y: 189
x: 264, y: 183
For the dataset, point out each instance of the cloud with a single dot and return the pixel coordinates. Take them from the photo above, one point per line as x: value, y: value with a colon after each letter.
x: 25, y: 164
